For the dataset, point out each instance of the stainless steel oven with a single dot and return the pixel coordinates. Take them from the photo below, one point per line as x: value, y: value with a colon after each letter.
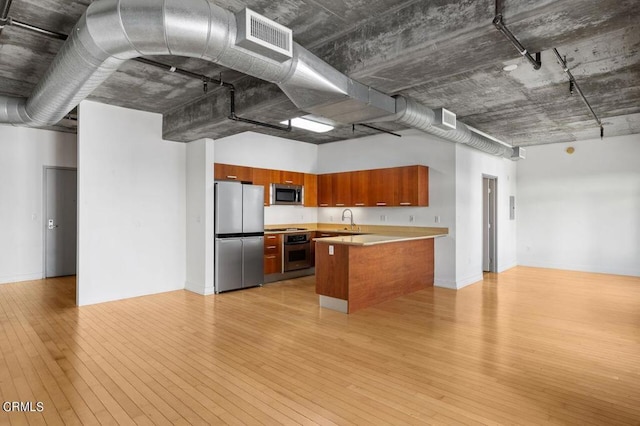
x: 297, y: 251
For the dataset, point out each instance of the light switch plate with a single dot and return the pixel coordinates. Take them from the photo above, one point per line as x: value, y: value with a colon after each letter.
x: 330, y: 250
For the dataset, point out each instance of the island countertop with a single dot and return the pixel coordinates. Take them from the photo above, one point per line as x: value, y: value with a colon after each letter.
x: 373, y: 239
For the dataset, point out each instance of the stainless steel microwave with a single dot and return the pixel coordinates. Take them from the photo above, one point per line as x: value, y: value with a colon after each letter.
x: 286, y: 194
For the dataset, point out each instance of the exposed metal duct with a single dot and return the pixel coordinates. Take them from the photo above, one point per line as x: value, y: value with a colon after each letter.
x: 114, y: 31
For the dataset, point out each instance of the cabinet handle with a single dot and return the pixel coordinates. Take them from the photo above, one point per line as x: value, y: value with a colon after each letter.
x: 325, y: 235
x: 288, y: 181
x: 271, y: 247
x: 359, y: 204
x: 232, y: 177
x: 381, y: 204
x: 270, y: 257
x: 405, y: 204
x: 339, y: 204
x: 323, y: 205
x: 271, y: 237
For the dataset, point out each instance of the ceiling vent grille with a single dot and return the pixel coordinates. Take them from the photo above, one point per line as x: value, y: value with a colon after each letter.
x: 444, y: 119
x: 264, y: 36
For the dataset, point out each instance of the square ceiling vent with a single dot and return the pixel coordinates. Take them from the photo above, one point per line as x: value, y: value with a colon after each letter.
x: 444, y: 119
x: 264, y: 36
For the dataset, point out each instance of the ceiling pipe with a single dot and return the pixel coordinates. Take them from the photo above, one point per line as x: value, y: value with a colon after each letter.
x: 573, y: 84
x: 5, y: 5
x: 113, y: 31
x: 500, y: 26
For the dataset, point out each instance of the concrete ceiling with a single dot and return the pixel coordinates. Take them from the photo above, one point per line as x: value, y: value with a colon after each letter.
x: 443, y: 53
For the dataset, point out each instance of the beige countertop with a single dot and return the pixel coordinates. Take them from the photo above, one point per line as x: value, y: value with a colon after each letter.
x: 341, y: 228
x: 373, y: 239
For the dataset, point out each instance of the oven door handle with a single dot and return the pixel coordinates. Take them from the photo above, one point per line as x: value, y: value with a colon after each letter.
x: 296, y: 243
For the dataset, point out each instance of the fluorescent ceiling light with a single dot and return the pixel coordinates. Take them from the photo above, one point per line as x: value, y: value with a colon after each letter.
x: 310, y: 125
x: 510, y: 67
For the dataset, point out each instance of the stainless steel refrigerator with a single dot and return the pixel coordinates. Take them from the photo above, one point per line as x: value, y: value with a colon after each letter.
x: 239, y: 235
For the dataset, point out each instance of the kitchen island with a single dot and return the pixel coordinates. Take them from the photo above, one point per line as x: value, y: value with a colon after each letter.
x: 357, y: 271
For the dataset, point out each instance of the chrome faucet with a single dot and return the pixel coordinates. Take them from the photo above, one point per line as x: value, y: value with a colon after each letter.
x: 350, y: 217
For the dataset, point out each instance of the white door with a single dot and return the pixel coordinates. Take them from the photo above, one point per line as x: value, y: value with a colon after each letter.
x: 60, y: 189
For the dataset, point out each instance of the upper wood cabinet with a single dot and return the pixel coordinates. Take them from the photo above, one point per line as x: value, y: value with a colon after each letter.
x: 413, y: 186
x: 360, y: 191
x: 341, y: 189
x: 310, y: 190
x: 263, y: 177
x: 325, y: 190
x: 232, y: 172
x: 287, y: 177
x: 391, y: 187
x: 383, y: 187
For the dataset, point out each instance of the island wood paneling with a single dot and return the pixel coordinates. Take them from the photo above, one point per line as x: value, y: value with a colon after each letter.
x: 368, y: 275
x: 385, y: 271
x: 332, y: 271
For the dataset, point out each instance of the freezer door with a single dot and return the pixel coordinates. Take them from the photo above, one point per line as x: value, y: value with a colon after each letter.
x: 253, y: 208
x: 253, y: 268
x: 228, y: 264
x: 228, y: 208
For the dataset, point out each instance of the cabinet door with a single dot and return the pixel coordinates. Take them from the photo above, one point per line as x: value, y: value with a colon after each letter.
x: 360, y: 194
x: 413, y: 186
x: 341, y: 189
x: 287, y: 177
x: 232, y: 172
x: 272, y: 254
x: 325, y: 190
x: 263, y: 177
x: 310, y: 190
x: 383, y: 187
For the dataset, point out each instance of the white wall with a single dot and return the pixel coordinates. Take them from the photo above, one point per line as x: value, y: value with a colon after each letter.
x: 132, y: 205
x: 199, y: 224
x: 23, y: 154
x: 581, y: 211
x: 270, y: 152
x: 381, y: 151
x: 471, y: 166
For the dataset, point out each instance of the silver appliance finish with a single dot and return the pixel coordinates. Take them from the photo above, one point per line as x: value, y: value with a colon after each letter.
x: 297, y: 252
x: 239, y: 236
x: 113, y: 31
x: 285, y: 194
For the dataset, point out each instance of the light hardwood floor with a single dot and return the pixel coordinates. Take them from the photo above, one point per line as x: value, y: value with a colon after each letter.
x: 529, y: 346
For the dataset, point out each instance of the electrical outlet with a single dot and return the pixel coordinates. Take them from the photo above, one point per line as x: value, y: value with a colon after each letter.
x: 412, y: 218
x: 383, y: 218
x: 330, y: 218
x: 330, y: 250
x: 437, y: 219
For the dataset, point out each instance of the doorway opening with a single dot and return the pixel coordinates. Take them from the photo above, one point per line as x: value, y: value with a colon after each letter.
x: 489, y: 224
x: 60, y: 224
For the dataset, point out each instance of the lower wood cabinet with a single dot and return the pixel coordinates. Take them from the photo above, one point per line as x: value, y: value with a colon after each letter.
x: 272, y: 254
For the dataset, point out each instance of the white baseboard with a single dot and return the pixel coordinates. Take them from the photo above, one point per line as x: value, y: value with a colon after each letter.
x: 597, y: 269
x: 469, y: 280
x: 19, y: 278
x: 445, y: 284
x: 198, y: 288
x: 506, y: 268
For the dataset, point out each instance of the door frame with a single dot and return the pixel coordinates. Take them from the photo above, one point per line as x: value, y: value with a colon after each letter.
x: 492, y: 234
x: 44, y: 216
